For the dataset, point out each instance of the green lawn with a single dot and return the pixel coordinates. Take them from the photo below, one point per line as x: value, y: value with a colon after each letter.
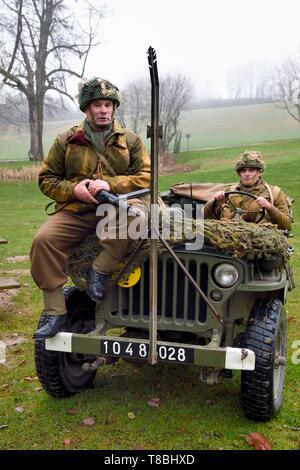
x: 191, y: 415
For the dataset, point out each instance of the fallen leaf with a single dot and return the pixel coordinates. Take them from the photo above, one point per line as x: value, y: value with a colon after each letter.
x: 67, y: 442
x: 258, y: 441
x: 72, y: 411
x: 19, y: 409
x: 35, y: 446
x: 290, y: 318
x: 209, y: 402
x: 293, y: 428
x: 38, y: 389
x: 154, y: 402
x: 131, y: 415
x: 10, y: 384
x: 116, y: 375
x: 3, y: 426
x: 28, y: 379
x: 88, y: 422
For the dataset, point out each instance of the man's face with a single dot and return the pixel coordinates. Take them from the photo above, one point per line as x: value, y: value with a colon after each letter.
x: 100, y: 113
x: 249, y: 176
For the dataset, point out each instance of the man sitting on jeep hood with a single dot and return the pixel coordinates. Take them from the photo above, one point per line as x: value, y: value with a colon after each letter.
x: 100, y: 154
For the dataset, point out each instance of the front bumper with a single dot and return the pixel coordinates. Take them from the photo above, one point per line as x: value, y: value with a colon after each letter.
x: 132, y: 348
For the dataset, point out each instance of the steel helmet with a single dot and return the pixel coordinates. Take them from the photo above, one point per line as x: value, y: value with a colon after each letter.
x: 250, y: 159
x: 97, y: 89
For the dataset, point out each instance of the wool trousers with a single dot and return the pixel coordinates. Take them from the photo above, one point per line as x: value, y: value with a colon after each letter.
x: 56, y: 239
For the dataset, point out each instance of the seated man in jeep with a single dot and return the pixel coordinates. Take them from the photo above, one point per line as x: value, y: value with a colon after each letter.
x: 268, y: 204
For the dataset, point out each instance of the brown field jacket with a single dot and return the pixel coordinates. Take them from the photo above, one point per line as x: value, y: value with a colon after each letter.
x: 279, y: 214
x: 72, y: 158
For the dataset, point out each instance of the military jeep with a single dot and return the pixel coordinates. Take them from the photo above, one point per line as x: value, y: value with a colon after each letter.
x: 246, y: 330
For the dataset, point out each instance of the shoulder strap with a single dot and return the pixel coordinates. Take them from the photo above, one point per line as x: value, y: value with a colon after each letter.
x: 273, y: 191
x: 105, y: 163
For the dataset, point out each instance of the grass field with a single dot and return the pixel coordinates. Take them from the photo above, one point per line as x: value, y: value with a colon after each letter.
x: 191, y: 415
x: 214, y: 127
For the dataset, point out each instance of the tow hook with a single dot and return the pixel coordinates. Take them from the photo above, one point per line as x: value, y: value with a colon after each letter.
x: 99, y: 362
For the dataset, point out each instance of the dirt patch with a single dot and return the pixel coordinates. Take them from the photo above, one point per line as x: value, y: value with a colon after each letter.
x: 17, y: 259
x: 6, y: 303
x: 169, y: 166
x: 18, y: 272
x: 13, y: 339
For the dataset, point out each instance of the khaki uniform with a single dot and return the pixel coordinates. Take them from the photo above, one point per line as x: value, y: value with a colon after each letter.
x: 72, y: 158
x: 279, y: 214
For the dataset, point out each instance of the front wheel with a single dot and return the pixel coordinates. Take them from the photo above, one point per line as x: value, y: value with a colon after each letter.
x: 266, y: 335
x: 61, y: 374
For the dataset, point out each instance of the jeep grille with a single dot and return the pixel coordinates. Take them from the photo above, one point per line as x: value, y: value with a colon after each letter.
x: 178, y: 301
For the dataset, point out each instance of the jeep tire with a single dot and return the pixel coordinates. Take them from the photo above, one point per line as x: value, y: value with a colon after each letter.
x: 61, y: 374
x: 266, y: 335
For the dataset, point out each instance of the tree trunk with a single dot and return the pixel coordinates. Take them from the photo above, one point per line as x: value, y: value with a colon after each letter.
x: 177, y: 142
x: 36, y: 151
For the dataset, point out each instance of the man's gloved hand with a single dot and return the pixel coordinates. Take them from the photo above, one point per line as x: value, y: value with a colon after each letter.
x: 82, y: 192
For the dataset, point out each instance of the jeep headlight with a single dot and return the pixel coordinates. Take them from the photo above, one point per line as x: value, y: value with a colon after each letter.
x: 225, y: 274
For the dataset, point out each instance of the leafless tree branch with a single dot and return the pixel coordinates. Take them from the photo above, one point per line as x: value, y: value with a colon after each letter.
x: 286, y: 86
x: 41, y: 39
x: 18, y: 35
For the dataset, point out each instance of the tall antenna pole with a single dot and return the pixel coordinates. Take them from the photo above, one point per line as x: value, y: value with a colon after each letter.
x: 153, y: 131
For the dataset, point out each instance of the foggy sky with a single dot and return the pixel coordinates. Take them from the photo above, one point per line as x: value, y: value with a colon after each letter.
x: 204, y: 39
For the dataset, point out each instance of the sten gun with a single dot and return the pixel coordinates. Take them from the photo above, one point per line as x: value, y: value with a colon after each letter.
x: 119, y: 200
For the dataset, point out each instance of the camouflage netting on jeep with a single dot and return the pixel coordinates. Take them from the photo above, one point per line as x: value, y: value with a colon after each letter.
x: 239, y: 239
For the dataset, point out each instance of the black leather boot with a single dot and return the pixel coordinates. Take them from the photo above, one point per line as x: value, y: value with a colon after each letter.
x: 96, y: 285
x: 54, y: 324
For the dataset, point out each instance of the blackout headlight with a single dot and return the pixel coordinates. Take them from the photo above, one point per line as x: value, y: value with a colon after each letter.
x: 225, y: 275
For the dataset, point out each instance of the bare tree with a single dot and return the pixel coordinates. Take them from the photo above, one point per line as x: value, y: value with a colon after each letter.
x: 286, y: 86
x: 251, y: 80
x: 14, y: 112
x: 176, y: 92
x: 44, y: 43
x: 136, y: 104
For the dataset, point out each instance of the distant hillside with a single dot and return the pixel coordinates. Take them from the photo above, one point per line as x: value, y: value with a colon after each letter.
x: 210, y: 127
x: 239, y: 125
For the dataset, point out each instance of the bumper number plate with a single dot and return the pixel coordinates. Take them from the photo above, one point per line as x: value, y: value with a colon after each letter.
x: 140, y: 351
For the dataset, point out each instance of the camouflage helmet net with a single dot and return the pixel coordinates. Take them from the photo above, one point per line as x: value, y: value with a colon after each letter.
x: 97, y: 89
x: 250, y: 160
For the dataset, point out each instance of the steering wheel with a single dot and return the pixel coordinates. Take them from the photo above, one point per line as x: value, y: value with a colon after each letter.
x: 237, y: 210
